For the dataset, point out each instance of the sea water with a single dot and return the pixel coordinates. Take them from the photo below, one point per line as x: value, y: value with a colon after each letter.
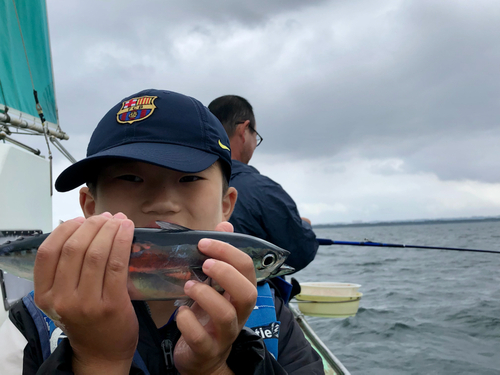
x: 422, y: 311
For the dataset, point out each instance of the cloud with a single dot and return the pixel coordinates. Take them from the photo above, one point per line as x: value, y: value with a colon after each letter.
x: 411, y: 86
x: 329, y: 191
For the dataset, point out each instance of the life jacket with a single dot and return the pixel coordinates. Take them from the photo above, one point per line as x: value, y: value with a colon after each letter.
x: 262, y: 321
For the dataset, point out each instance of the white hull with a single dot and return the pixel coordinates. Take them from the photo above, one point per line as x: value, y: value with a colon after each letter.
x: 25, y: 206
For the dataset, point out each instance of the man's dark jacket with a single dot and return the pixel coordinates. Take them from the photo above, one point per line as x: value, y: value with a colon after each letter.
x: 265, y: 210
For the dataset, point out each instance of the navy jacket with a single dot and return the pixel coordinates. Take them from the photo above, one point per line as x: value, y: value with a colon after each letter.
x: 248, y: 354
x: 265, y: 210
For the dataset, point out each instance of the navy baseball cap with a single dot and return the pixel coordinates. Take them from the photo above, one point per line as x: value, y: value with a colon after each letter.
x: 158, y: 127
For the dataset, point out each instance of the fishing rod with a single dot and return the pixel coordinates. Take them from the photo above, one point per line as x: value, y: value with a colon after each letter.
x: 326, y: 241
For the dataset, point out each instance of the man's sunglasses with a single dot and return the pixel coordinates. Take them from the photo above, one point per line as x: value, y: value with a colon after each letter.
x: 259, y: 137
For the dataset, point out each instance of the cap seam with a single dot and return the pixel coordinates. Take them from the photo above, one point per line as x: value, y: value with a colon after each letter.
x: 197, y: 106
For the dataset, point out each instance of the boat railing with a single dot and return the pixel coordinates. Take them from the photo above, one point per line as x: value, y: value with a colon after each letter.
x: 7, y: 119
x: 11, y: 118
x: 332, y: 361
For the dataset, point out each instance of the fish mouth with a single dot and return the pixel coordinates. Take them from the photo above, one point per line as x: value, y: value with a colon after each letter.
x: 283, y: 270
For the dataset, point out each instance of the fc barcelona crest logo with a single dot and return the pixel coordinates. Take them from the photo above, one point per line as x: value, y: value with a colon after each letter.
x: 136, y: 109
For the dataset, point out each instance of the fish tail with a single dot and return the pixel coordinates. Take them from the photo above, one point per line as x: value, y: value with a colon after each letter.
x: 22, y: 244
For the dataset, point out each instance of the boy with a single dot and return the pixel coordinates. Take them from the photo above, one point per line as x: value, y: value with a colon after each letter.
x: 155, y: 156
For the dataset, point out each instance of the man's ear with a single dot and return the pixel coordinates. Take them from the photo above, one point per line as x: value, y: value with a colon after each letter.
x: 87, y: 202
x: 228, y: 202
x: 241, y: 130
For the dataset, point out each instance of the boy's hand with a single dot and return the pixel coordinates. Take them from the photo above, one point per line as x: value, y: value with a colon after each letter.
x: 80, y: 277
x: 211, y: 325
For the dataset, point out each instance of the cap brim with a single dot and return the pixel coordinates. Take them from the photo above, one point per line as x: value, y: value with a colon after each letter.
x: 176, y: 157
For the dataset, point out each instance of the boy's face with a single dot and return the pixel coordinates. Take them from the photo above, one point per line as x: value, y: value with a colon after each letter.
x: 147, y: 193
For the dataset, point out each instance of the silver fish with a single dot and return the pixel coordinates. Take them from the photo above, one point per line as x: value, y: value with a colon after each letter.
x: 161, y: 260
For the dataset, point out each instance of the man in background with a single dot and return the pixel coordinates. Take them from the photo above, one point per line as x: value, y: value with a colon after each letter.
x: 263, y: 209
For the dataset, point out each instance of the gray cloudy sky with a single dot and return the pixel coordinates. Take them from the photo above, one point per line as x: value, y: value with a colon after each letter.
x: 370, y: 110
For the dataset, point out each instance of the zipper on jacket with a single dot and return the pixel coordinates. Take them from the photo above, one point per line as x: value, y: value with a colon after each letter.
x: 168, y: 353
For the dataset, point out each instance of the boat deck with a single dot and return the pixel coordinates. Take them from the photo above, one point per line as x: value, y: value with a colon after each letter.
x: 331, y: 364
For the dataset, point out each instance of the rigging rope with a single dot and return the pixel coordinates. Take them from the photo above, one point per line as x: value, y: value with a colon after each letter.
x: 35, y: 94
x: 24, y: 46
x: 39, y: 109
x: 4, y: 98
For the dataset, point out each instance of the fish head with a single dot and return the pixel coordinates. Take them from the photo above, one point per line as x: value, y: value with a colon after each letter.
x: 268, y: 262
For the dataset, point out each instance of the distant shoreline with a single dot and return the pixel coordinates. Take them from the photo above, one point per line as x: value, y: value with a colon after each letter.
x: 408, y: 222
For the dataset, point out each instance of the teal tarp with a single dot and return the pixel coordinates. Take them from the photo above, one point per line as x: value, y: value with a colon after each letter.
x: 16, y: 90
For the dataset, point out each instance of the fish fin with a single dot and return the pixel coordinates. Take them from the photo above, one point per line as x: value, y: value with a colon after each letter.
x: 198, y: 272
x: 169, y: 227
x: 184, y: 302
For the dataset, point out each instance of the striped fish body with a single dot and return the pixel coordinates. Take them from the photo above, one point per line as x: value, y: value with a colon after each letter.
x: 161, y: 260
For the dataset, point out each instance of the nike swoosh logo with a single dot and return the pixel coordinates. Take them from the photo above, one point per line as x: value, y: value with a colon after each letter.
x: 223, y: 147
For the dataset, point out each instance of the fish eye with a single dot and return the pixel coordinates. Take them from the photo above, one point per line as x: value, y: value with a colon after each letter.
x: 268, y: 260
